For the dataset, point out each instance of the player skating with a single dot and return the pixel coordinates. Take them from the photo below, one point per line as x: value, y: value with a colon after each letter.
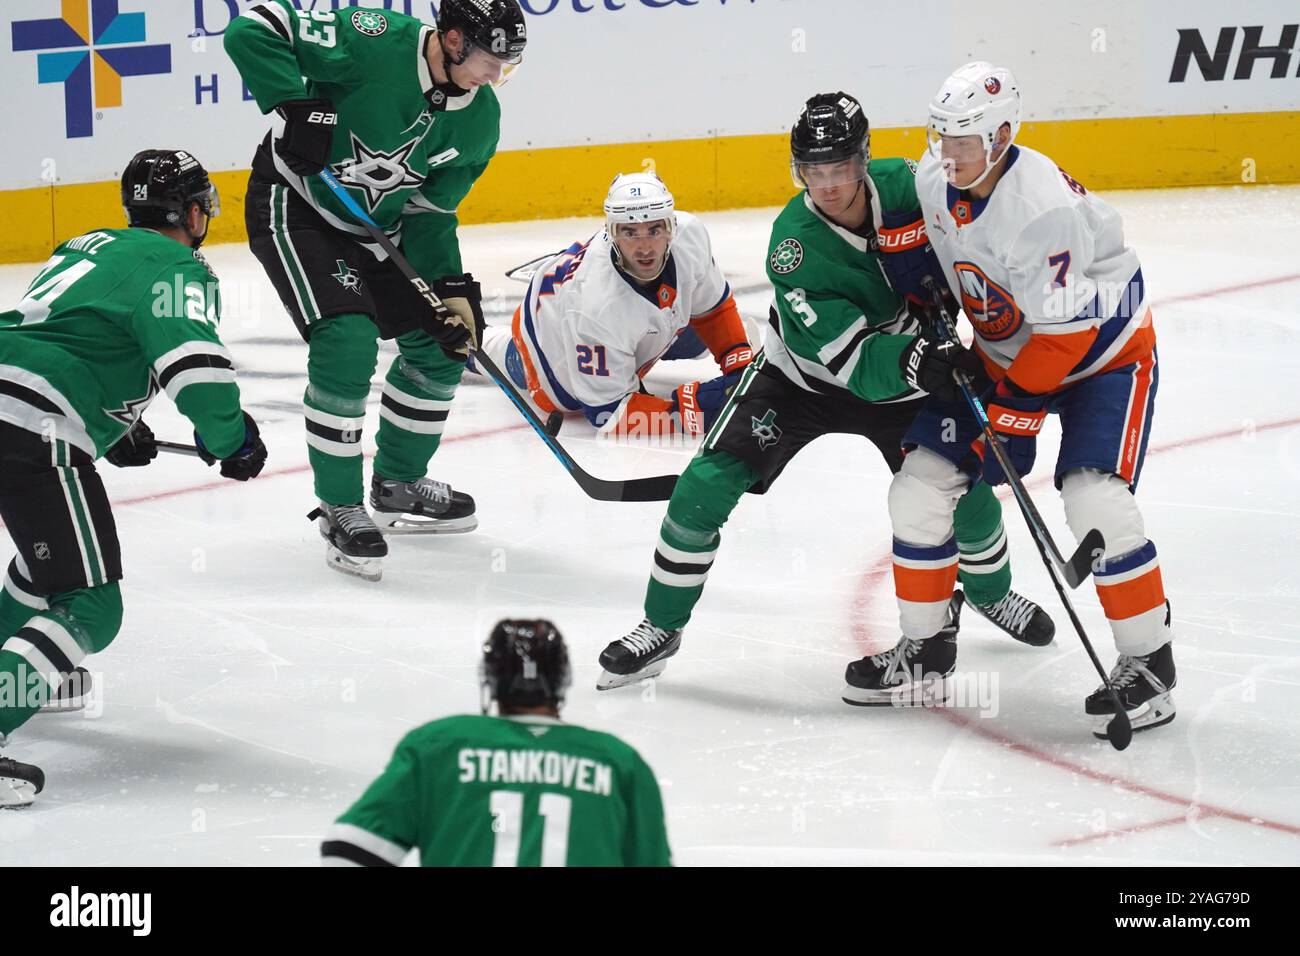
x: 840, y: 336
x: 599, y: 315
x: 517, y: 789
x: 406, y: 118
x: 1062, y: 324
x: 114, y: 317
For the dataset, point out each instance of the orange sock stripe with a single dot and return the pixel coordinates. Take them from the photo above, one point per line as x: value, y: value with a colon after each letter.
x: 535, y: 390
x: 924, y: 586
x: 1132, y: 598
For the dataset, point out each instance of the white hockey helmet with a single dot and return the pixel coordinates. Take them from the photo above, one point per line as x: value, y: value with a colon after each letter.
x: 976, y: 100
x: 636, y: 198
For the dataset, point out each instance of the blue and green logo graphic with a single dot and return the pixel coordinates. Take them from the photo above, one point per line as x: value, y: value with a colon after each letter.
x: 89, y: 49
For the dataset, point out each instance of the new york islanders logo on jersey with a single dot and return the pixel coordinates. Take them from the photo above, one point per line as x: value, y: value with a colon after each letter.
x: 992, y: 309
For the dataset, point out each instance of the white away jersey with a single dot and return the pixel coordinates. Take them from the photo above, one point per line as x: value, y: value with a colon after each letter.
x: 1041, y: 256
x: 591, y: 332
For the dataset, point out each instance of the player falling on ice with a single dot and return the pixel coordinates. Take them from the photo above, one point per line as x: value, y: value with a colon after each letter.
x: 1062, y: 326
x: 114, y: 317
x: 831, y: 364
x: 406, y: 118
x: 599, y: 315
x: 518, y: 789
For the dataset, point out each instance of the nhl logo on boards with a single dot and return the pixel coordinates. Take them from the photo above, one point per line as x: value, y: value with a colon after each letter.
x: 786, y: 256
x: 992, y: 84
x: 369, y: 22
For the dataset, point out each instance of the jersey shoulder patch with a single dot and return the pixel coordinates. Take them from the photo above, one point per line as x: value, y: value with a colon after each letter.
x: 786, y: 256
x: 370, y: 23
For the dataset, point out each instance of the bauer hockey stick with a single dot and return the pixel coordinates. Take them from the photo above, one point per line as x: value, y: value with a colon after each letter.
x: 656, y: 488
x: 1119, y: 731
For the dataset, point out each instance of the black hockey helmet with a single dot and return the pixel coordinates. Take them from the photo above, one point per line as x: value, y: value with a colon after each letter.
x: 525, y: 664
x: 496, y: 26
x: 158, y: 186
x: 831, y: 127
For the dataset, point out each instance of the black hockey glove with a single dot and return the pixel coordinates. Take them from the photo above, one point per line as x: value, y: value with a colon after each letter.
x: 463, y: 298
x: 308, y: 134
x: 246, y: 462
x: 929, y: 365
x: 136, y: 448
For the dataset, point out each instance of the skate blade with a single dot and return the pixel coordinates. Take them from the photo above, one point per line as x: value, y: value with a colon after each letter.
x: 368, y: 569
x: 16, y: 794
x: 927, y: 693
x: 1156, y: 712
x: 608, y: 681
x: 403, y: 523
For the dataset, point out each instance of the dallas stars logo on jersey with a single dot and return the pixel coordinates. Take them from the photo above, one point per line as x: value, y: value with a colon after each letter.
x: 764, y: 429
x: 376, y: 172
x: 348, y: 277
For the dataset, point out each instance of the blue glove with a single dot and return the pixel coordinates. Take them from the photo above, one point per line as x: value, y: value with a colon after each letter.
x: 907, y: 257
x: 699, y: 404
x: 1017, y: 417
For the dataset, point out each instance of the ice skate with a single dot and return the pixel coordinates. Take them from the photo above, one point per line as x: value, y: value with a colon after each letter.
x: 73, y: 694
x: 19, y: 782
x: 1143, y: 685
x: 643, y: 653
x: 912, y: 673
x: 353, y: 544
x: 423, y: 506
x: 1020, y: 617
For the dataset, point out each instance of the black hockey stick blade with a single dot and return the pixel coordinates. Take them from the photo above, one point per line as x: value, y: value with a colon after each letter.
x: 1083, y: 561
x: 1119, y: 731
x: 178, y: 448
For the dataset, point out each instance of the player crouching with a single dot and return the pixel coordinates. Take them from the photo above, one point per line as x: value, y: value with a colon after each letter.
x: 81, y: 357
x: 598, y: 316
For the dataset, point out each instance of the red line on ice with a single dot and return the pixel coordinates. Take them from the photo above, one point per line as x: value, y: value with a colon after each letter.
x: 869, y: 590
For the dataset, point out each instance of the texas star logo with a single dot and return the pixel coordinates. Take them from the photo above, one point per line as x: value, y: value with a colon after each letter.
x: 348, y: 277
x: 764, y: 429
x: 370, y: 23
x: 786, y: 256
x: 376, y: 172
x: 133, y: 408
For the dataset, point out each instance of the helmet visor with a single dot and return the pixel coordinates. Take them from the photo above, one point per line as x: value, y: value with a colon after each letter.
x: 211, y: 202
x: 824, y: 175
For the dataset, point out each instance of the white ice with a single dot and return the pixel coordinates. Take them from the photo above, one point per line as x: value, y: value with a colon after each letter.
x: 253, y: 693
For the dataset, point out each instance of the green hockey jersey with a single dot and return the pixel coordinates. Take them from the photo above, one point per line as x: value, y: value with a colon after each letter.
x: 406, y: 164
x: 506, y: 791
x: 841, y: 326
x: 115, y: 316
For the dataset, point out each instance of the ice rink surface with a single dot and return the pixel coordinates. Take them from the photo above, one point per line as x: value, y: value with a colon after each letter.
x: 253, y: 693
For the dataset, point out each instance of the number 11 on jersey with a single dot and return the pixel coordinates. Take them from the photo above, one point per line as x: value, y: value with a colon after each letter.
x: 507, y: 808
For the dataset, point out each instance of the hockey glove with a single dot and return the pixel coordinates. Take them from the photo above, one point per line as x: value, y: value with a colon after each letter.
x: 698, y: 405
x: 1017, y: 418
x: 308, y: 134
x: 928, y: 364
x: 906, y: 255
x: 247, y: 460
x: 463, y: 298
x: 136, y: 448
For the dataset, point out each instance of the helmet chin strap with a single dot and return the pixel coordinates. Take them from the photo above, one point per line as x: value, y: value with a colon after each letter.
x: 989, y: 165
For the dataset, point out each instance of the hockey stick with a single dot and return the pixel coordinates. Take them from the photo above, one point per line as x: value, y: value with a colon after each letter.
x: 656, y: 488
x: 1119, y: 731
x: 177, y: 448
x: 526, y: 271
